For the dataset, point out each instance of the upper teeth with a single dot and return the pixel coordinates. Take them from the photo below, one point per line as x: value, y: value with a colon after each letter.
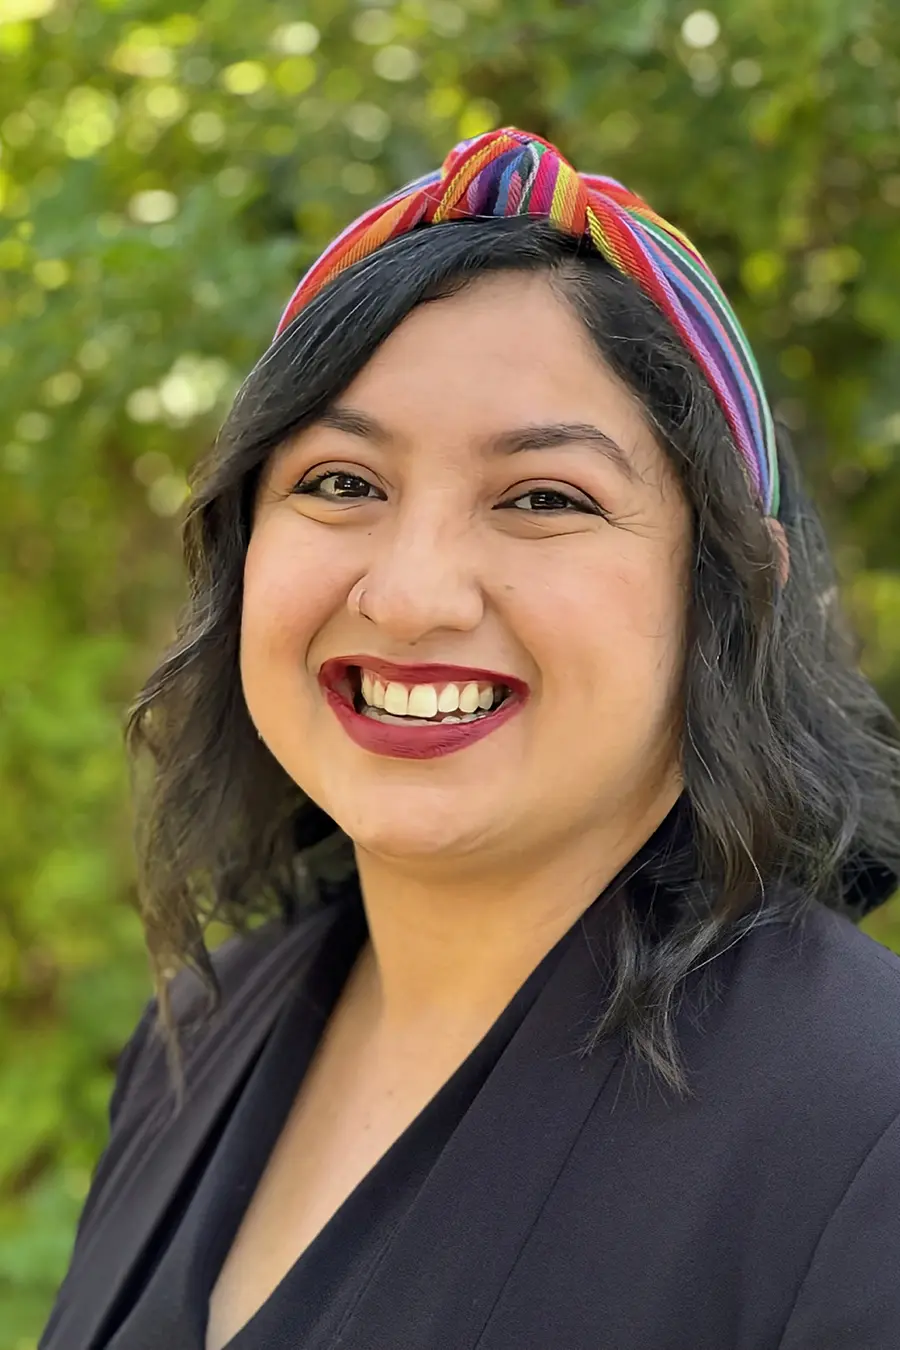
x: 425, y: 700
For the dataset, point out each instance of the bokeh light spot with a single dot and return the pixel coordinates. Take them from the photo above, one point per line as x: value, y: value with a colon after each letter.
x: 395, y: 63
x: 296, y: 39
x: 153, y: 207
x: 700, y: 29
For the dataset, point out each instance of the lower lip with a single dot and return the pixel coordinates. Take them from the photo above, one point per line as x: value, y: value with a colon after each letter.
x: 382, y: 738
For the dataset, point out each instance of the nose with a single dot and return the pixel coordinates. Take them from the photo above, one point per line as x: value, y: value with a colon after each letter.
x: 422, y: 578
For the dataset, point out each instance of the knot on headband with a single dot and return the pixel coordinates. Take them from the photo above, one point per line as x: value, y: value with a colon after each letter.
x: 511, y: 172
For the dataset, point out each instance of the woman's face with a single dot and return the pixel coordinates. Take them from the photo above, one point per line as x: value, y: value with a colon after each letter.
x: 491, y: 494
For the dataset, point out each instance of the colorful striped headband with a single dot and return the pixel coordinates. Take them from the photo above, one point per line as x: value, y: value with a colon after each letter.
x: 510, y: 172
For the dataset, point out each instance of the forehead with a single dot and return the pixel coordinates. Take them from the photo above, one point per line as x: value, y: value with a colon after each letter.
x: 505, y: 350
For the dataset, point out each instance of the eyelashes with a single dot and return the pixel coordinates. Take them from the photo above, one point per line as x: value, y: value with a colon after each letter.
x: 312, y: 487
x: 551, y: 499
x: 337, y: 485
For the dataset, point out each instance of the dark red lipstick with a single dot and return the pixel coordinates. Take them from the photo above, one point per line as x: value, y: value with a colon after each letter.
x: 340, y: 678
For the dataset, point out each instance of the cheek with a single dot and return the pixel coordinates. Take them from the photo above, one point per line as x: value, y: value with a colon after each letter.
x: 289, y: 592
x: 611, y: 634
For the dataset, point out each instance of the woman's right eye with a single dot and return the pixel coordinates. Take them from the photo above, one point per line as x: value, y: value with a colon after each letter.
x: 335, y: 485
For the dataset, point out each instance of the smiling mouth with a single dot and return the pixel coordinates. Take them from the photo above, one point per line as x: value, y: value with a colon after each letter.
x: 442, y: 703
x: 418, y: 711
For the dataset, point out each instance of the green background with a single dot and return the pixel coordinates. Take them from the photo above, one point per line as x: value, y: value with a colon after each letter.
x: 166, y: 174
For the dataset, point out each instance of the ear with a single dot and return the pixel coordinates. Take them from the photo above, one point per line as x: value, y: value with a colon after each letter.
x: 779, y: 538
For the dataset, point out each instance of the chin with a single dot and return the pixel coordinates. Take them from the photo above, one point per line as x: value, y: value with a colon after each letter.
x: 402, y: 837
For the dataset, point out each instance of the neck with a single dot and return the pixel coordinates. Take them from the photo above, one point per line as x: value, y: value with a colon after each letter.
x: 449, y: 945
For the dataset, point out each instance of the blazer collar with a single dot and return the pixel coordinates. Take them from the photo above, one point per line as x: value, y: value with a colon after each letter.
x: 164, y: 1145
x: 502, y: 1163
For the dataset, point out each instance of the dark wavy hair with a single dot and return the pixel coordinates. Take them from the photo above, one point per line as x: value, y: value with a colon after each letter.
x: 791, y: 760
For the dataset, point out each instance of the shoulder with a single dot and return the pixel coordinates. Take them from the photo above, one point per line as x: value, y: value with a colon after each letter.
x: 259, y: 960
x: 828, y: 986
x: 807, y: 1018
x: 255, y: 972
x: 820, y: 1006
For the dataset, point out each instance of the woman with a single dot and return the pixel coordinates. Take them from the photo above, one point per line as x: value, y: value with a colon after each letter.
x: 513, y: 682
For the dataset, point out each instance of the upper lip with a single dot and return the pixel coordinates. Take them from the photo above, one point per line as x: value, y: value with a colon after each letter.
x: 429, y: 672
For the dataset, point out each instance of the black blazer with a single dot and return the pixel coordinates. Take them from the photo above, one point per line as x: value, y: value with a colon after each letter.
x: 577, y: 1207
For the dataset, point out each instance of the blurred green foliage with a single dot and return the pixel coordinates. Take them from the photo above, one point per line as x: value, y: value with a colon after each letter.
x: 166, y: 173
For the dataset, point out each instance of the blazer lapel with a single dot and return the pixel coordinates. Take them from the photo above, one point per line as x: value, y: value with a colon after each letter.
x: 162, y: 1148
x: 435, y: 1285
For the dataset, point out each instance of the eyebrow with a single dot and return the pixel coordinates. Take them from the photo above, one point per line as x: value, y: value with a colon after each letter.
x: 533, y: 436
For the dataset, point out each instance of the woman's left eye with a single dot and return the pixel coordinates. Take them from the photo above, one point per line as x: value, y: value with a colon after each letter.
x: 549, y: 500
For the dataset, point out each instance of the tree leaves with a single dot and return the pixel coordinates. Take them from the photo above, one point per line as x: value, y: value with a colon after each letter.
x: 165, y: 176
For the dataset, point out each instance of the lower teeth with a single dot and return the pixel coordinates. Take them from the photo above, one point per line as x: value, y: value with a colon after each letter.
x: 378, y: 715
